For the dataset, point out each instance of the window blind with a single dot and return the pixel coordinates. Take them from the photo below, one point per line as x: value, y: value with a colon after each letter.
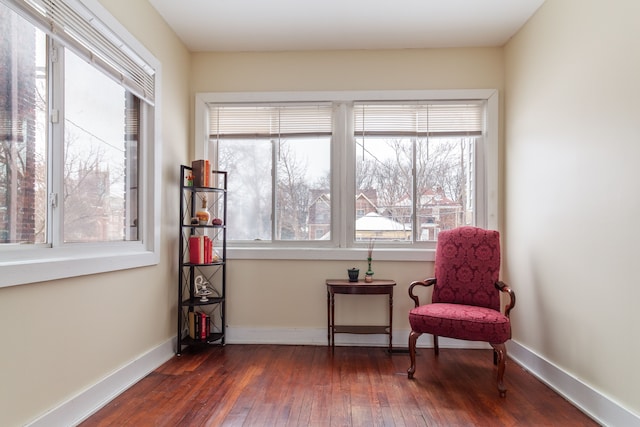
x: 418, y: 119
x: 259, y: 121
x: 72, y: 24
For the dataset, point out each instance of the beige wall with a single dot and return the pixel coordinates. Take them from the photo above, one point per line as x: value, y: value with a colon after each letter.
x: 61, y: 337
x: 291, y: 294
x: 348, y: 70
x: 270, y: 295
x: 572, y: 200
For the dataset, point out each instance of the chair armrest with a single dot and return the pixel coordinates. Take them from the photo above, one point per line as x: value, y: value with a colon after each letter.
x: 425, y: 282
x: 502, y: 287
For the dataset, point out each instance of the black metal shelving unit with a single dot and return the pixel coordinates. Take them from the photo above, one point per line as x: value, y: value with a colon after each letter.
x: 214, y: 273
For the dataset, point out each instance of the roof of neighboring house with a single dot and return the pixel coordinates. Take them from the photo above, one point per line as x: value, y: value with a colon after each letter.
x: 376, y: 222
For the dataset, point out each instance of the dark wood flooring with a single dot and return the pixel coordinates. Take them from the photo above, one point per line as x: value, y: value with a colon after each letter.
x: 278, y: 385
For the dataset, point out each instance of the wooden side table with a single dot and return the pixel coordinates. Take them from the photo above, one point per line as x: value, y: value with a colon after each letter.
x: 343, y: 286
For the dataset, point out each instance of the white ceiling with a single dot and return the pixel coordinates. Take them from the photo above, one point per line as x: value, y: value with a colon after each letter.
x: 279, y: 25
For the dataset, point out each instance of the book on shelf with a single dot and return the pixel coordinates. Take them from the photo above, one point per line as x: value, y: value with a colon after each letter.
x: 199, y: 325
x: 204, y: 323
x: 201, y: 171
x: 196, y: 250
x: 200, y: 250
x: 207, y: 250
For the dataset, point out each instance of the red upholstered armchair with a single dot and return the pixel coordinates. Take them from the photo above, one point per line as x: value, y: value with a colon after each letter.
x: 465, y: 301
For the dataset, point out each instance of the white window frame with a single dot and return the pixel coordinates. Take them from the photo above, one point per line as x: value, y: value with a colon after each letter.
x: 343, y: 204
x: 23, y: 264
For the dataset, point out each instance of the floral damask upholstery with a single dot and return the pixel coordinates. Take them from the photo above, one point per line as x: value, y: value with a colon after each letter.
x: 465, y: 302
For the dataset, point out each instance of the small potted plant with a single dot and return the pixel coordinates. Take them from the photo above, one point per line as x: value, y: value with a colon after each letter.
x: 369, y: 274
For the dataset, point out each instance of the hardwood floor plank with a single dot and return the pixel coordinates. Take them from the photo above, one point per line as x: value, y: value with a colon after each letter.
x: 271, y: 385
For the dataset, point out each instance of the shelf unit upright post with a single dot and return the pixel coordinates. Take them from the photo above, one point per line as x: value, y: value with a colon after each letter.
x: 202, y: 274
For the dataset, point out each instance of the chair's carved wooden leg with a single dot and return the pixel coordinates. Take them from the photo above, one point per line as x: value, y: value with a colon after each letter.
x: 501, y: 352
x: 436, y: 347
x: 413, y: 337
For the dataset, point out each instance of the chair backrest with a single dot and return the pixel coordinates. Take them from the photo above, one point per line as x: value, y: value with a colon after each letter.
x: 467, y: 267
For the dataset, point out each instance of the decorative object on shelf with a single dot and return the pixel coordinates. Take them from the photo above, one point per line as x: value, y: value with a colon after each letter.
x: 189, y: 180
x: 353, y: 274
x: 369, y: 274
x: 202, y: 289
x: 203, y: 214
x: 216, y: 221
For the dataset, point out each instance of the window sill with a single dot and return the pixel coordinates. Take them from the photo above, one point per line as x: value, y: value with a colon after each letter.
x: 330, y: 254
x: 39, y: 265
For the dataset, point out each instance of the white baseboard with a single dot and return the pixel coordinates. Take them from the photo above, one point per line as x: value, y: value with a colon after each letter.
x: 315, y: 336
x: 591, y: 402
x: 80, y: 407
x: 597, y: 406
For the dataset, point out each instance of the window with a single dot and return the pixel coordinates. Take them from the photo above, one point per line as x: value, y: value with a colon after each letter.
x: 394, y: 167
x: 77, y: 126
x: 279, y: 157
x: 415, y: 168
x: 100, y: 150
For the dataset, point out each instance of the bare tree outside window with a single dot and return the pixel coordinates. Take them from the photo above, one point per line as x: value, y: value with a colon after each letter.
x: 100, y: 145
x: 295, y: 180
x: 96, y: 198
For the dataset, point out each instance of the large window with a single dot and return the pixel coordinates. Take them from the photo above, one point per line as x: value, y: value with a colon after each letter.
x: 336, y: 173
x: 77, y: 120
x: 415, y: 167
x: 280, y: 160
x: 100, y: 169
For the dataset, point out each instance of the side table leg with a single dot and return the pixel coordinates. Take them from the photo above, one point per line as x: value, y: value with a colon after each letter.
x: 328, y: 318
x: 391, y: 322
x: 333, y: 322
